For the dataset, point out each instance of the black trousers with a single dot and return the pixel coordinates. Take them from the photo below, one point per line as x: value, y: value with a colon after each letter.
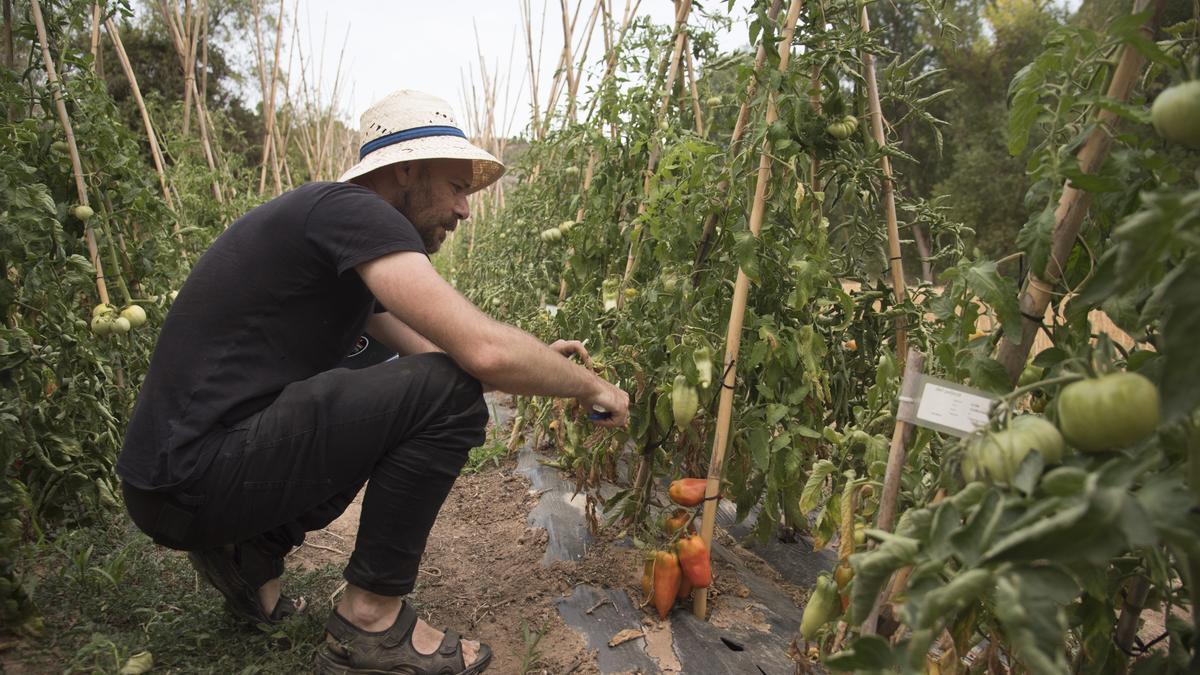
x: 405, y: 425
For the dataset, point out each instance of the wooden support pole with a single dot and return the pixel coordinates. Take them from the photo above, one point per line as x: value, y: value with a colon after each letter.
x: 96, y: 38
x: 60, y: 107
x: 586, y: 41
x: 613, y: 53
x: 914, y: 365
x: 673, y: 68
x: 697, y: 113
x: 1073, y: 205
x: 895, y: 260
x: 737, y: 314
x: 735, y: 143
x: 155, y: 152
x: 182, y: 49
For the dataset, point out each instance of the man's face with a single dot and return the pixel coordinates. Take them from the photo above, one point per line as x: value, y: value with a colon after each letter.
x: 436, y: 198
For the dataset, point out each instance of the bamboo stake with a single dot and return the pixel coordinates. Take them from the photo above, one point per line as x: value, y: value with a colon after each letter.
x: 586, y: 39
x: 567, y: 60
x: 204, y: 51
x: 182, y: 50
x: 737, y: 315
x: 896, y: 261
x: 9, y: 53
x: 614, y: 53
x: 587, y: 185
x: 691, y: 78
x: 151, y: 136
x: 591, y: 164
x: 1073, y: 205
x: 76, y: 165
x: 914, y: 365
x: 562, y: 72
x: 684, y: 8
x: 535, y: 114
x: 96, y: 38
x: 260, y: 68
x: 271, y: 120
x: 735, y: 142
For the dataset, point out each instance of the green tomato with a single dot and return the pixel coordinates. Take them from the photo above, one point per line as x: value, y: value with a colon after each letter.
x: 121, y: 325
x: 839, y: 130
x: 713, y: 101
x: 135, y: 315
x: 1109, y: 412
x: 103, y: 310
x: 1030, y: 375
x: 83, y: 212
x: 102, y: 324
x: 1176, y: 114
x: 998, y: 454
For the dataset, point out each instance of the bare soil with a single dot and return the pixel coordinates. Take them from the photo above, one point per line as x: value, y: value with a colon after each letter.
x: 483, y: 576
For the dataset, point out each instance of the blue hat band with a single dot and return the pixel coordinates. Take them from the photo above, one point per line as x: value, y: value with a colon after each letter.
x: 408, y: 135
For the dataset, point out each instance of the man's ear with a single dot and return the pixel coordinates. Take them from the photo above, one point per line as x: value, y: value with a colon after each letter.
x: 404, y: 173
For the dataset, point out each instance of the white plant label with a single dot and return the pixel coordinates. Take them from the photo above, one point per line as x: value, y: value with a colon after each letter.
x: 951, y: 408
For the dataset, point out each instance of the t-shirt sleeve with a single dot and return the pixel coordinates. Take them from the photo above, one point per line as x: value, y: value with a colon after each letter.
x: 351, y: 225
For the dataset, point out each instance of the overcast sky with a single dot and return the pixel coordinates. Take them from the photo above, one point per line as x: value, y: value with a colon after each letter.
x: 429, y: 45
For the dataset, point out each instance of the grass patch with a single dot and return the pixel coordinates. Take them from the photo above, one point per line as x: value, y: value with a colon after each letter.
x: 108, y: 592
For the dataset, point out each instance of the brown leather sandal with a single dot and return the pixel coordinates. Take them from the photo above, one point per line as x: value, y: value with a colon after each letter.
x: 349, y: 649
x: 219, y: 568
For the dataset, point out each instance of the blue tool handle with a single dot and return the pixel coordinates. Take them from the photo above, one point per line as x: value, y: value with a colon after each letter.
x: 599, y: 413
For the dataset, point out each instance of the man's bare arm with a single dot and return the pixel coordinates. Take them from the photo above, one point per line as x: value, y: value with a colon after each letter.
x: 501, y: 355
x: 398, y: 336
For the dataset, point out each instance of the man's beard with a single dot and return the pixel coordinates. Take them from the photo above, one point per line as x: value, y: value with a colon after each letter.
x: 413, y: 206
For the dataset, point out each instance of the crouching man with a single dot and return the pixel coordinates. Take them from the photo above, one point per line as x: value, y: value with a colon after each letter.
x: 245, y: 435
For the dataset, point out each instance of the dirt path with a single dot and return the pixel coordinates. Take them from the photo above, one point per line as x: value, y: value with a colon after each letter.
x: 482, y: 573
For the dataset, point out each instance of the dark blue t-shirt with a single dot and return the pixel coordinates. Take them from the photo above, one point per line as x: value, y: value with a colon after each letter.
x: 274, y: 300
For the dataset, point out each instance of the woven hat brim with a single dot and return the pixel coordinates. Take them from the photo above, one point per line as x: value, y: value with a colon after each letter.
x: 486, y: 169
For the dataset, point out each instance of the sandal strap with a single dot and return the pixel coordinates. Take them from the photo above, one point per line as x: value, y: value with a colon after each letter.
x: 343, y: 631
x: 401, y: 631
x: 452, y: 645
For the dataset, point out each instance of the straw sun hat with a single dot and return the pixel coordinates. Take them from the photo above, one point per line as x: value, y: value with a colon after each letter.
x: 408, y: 125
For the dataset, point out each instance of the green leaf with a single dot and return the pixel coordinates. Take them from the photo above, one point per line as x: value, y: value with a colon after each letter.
x: 1034, y: 238
x: 998, y: 292
x: 1083, y: 529
x: 1180, y: 328
x: 873, y: 569
x: 1028, y: 603
x: 989, y: 375
x: 760, y: 448
x: 1026, y: 477
x: 945, y: 523
x: 745, y: 249
x: 1090, y: 182
x: 814, y: 488
x: 971, y: 541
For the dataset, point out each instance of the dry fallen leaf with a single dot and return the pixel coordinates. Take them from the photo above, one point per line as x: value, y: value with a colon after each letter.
x: 625, y: 636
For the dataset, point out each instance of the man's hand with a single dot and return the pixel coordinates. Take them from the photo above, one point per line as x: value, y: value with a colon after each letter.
x: 572, y: 347
x: 611, y: 399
